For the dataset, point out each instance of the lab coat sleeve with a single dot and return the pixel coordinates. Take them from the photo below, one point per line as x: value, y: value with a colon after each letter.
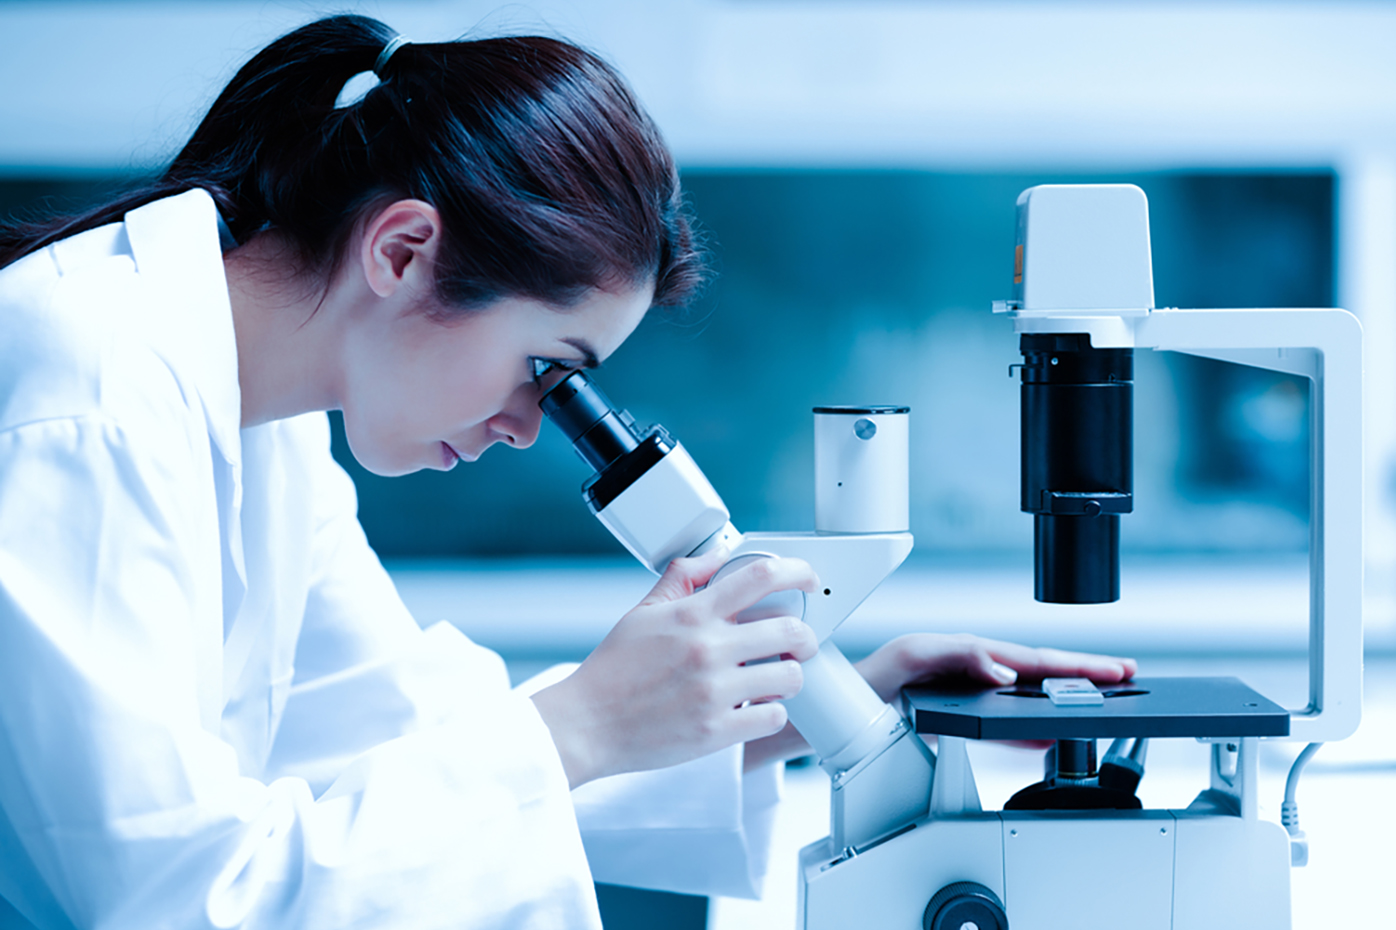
x: 702, y: 827
x: 121, y: 810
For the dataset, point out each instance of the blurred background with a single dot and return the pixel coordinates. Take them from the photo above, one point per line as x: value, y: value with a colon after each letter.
x: 854, y: 166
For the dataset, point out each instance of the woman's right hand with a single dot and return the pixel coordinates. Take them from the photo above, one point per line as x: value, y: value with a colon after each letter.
x: 669, y: 683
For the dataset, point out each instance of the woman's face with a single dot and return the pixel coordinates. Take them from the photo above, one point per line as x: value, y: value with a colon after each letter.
x: 419, y: 393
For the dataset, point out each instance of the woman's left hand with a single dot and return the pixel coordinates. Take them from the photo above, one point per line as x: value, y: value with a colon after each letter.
x: 921, y: 657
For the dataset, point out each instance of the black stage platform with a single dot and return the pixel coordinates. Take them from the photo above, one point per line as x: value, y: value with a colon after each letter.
x: 1146, y: 707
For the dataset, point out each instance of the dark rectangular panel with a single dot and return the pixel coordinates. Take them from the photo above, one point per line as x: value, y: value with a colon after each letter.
x: 1148, y: 707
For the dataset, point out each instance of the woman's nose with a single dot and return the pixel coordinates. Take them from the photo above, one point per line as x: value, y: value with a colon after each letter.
x: 518, y: 423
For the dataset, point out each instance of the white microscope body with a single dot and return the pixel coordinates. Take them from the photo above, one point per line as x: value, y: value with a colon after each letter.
x: 655, y: 500
x: 909, y: 845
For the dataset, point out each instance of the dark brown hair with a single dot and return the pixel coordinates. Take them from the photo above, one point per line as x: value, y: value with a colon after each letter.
x: 549, y: 177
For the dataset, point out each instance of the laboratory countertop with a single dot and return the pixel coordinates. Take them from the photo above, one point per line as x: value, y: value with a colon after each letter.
x: 563, y: 607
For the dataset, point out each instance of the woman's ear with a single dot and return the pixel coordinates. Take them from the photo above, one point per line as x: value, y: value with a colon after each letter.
x: 399, y: 248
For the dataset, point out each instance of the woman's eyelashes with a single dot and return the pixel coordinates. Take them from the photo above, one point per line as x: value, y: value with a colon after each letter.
x: 542, y: 367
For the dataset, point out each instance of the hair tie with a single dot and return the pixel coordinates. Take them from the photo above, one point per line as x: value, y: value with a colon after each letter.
x: 395, y: 43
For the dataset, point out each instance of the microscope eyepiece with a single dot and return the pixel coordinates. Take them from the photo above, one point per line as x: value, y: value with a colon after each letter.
x: 644, y: 488
x: 604, y: 436
x: 599, y: 432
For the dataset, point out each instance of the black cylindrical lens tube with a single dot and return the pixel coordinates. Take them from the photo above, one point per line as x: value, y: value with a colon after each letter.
x: 1077, y: 463
x: 1076, y: 559
x: 596, y: 429
x: 1076, y: 758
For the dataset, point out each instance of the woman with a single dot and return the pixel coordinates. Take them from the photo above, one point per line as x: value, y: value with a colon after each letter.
x: 216, y: 710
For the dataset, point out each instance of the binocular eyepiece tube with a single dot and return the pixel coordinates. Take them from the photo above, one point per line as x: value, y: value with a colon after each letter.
x: 645, y: 488
x: 599, y: 431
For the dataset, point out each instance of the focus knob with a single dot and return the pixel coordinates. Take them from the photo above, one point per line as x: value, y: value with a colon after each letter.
x: 965, y: 906
x: 779, y: 604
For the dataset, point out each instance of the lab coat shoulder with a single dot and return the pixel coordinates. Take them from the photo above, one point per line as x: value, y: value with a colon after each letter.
x: 64, y: 332
x: 93, y: 332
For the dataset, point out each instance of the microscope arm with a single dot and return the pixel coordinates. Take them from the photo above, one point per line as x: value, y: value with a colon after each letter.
x: 1325, y: 346
x: 880, y: 771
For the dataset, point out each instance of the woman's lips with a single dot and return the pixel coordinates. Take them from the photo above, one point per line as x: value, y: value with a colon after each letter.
x: 450, y: 455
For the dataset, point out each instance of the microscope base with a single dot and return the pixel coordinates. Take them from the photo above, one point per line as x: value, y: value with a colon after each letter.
x: 1149, y: 870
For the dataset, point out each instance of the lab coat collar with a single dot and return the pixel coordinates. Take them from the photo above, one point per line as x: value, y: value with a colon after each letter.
x: 175, y: 245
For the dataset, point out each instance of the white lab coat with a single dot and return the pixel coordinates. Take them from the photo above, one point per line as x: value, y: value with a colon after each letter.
x: 214, y: 708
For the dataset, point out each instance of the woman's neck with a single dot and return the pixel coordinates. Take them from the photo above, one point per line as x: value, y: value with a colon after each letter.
x: 283, y: 320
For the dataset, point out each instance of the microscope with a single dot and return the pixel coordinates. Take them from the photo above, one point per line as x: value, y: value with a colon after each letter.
x: 647, y: 490
x: 909, y: 844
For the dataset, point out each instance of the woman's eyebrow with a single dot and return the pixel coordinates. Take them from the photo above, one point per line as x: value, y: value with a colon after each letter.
x: 589, y: 359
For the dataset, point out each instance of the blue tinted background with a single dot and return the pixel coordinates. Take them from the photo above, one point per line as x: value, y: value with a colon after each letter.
x: 837, y: 287
x: 847, y: 286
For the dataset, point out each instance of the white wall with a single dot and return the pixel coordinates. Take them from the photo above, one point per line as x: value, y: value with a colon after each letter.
x: 816, y: 81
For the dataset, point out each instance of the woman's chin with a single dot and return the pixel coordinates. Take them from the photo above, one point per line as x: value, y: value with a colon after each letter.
x: 389, y: 466
x: 440, y: 456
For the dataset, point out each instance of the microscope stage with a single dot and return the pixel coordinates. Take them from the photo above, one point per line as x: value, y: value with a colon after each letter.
x: 1145, y: 707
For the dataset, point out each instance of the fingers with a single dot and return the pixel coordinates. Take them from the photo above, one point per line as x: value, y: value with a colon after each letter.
x: 922, y: 656
x: 744, y: 704
x: 774, y: 637
x: 684, y: 576
x: 755, y: 721
x: 749, y: 584
x: 962, y: 655
x: 1038, y: 663
x: 768, y: 681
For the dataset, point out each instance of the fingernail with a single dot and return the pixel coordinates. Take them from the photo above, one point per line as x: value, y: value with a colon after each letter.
x: 1003, y: 673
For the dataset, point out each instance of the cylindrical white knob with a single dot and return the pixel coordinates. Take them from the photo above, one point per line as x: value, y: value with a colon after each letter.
x: 860, y: 469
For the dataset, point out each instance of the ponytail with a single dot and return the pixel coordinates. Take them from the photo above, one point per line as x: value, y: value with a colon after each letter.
x: 550, y: 179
